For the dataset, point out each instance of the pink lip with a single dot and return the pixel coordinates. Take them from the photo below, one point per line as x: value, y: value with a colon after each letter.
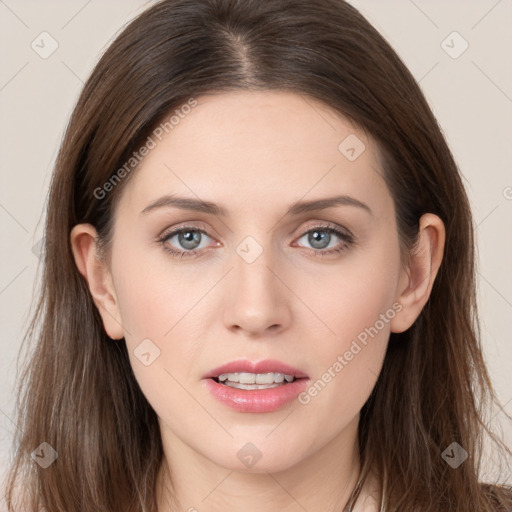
x: 266, y: 366
x: 257, y: 400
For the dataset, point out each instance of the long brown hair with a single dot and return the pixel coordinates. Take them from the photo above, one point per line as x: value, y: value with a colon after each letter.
x: 78, y: 392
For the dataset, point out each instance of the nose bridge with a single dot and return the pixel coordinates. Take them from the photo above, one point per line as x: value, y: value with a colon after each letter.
x: 258, y: 300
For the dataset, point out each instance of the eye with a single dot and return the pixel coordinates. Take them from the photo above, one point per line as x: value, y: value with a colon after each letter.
x: 324, y: 237
x: 188, y: 241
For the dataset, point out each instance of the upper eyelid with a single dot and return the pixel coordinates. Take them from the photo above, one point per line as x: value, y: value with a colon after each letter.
x: 169, y: 231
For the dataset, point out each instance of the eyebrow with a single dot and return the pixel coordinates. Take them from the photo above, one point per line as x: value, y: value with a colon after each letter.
x: 297, y: 208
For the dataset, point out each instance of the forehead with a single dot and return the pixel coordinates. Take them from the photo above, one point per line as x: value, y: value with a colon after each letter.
x: 251, y: 148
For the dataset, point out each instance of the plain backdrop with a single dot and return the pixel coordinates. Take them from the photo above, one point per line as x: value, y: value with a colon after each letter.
x: 466, y: 77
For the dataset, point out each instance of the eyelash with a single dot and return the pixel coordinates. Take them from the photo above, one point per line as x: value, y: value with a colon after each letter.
x: 347, y: 239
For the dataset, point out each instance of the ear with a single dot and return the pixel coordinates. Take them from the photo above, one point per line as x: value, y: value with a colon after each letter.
x: 416, y: 281
x: 96, y: 273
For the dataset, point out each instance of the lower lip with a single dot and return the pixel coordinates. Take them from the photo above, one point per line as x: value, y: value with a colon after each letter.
x: 257, y: 400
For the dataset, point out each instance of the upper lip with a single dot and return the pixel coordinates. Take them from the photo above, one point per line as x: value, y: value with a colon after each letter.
x: 266, y: 366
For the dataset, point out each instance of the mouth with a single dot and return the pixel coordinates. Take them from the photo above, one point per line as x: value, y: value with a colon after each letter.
x: 247, y: 375
x: 261, y: 387
x: 246, y: 380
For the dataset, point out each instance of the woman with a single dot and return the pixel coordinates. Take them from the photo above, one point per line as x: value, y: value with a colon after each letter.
x: 259, y: 279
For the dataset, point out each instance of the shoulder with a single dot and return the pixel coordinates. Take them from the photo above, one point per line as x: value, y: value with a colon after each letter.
x: 500, y: 496
x: 369, y: 497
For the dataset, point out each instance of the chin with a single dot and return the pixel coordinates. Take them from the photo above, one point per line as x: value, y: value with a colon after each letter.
x: 250, y: 459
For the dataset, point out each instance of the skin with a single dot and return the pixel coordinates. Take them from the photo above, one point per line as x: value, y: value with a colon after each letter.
x: 255, y: 153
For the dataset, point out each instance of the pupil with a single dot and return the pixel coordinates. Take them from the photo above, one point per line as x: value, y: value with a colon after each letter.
x: 317, y: 239
x: 188, y: 238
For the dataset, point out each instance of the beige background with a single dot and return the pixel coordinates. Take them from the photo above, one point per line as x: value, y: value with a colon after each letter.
x: 471, y: 95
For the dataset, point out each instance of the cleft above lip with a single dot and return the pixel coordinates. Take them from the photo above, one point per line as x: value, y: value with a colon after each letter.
x: 266, y: 366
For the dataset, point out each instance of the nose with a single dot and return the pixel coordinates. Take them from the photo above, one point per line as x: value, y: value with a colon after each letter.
x: 258, y: 298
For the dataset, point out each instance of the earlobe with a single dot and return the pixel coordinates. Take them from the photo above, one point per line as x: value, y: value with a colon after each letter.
x: 418, y: 278
x: 97, y: 276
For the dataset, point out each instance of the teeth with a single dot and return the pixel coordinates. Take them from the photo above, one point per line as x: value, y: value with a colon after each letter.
x: 247, y: 378
x: 265, y: 379
x: 233, y: 377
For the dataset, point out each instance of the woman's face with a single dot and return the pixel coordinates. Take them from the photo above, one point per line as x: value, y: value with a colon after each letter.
x: 267, y: 279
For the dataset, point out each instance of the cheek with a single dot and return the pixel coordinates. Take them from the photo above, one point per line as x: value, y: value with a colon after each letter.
x: 161, y: 312
x: 357, y: 303
x: 153, y: 302
x: 353, y: 295
x: 154, y: 293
